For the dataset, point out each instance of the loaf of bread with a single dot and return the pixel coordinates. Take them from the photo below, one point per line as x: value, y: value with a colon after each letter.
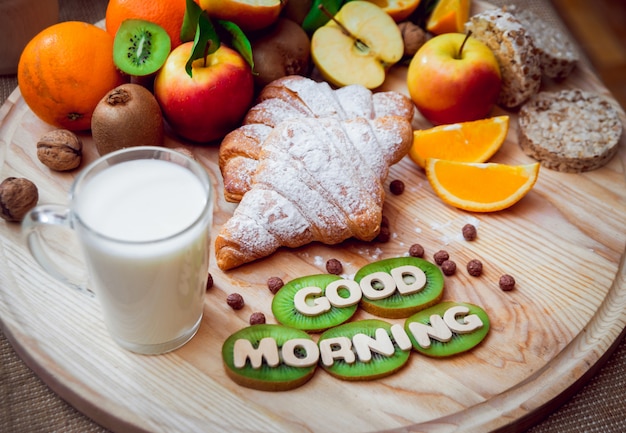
x: 570, y: 130
x: 296, y: 97
x: 514, y: 50
x: 317, y: 179
x: 557, y: 54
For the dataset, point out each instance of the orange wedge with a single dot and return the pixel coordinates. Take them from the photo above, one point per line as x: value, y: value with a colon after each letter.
x: 474, y: 141
x: 399, y: 10
x: 480, y: 187
x: 449, y: 16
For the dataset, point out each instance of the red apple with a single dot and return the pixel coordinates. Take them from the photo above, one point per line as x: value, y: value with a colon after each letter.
x: 453, y: 78
x: 212, y: 101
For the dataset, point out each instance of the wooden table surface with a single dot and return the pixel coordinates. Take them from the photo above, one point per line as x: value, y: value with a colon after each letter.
x: 593, y: 316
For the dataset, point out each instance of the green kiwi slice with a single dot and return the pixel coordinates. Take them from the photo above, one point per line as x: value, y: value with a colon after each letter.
x: 140, y: 47
x: 286, y: 311
x: 431, y: 334
x: 353, y: 343
x: 269, y: 368
x: 398, y: 305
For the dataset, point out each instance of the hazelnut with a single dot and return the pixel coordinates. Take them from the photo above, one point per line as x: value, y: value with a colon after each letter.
x: 17, y: 197
x: 413, y: 36
x: 60, y: 150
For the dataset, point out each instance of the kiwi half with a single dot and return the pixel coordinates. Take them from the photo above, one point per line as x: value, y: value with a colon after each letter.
x: 281, y: 377
x: 285, y: 311
x: 140, y: 47
x: 380, y: 365
x: 459, y: 342
x: 399, y: 305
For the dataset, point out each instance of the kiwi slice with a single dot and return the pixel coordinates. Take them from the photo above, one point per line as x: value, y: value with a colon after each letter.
x: 431, y: 334
x: 244, y: 364
x: 285, y: 310
x: 364, y: 350
x: 140, y: 47
x: 398, y: 305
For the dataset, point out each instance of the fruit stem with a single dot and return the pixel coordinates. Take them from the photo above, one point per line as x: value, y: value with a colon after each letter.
x: 342, y: 27
x: 460, y: 55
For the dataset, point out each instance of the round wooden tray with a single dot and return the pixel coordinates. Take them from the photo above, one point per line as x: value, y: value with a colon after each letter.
x: 564, y: 243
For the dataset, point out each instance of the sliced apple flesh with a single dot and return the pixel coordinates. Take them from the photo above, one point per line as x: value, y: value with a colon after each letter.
x: 358, y: 46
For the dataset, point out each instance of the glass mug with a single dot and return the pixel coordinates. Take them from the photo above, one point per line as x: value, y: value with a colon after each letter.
x: 142, y: 216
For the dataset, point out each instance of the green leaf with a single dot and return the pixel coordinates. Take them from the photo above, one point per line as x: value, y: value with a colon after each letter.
x: 239, y: 40
x: 206, y: 41
x: 190, y: 21
x: 316, y: 18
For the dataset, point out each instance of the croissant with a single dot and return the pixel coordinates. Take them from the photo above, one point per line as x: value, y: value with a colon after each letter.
x: 317, y: 179
x: 296, y: 97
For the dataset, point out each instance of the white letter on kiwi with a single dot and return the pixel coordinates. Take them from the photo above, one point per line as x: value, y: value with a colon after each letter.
x: 470, y: 323
x: 339, y: 348
x: 244, y: 350
x: 365, y: 345
x: 319, y: 305
x: 437, y: 330
x: 383, y: 278
x: 410, y: 272
x: 332, y: 293
x: 310, y: 348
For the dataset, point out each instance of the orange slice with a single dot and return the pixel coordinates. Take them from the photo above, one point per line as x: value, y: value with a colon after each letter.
x: 474, y: 141
x: 449, y: 16
x: 399, y: 10
x: 480, y: 187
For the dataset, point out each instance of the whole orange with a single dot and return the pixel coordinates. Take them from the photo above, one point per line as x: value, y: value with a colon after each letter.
x: 65, y: 70
x: 168, y: 14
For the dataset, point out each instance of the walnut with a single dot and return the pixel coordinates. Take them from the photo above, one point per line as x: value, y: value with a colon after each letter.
x: 60, y: 150
x: 413, y: 36
x: 17, y: 197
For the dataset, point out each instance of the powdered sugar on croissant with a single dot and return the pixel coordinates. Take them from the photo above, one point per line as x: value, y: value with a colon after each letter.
x: 317, y: 179
x: 296, y: 97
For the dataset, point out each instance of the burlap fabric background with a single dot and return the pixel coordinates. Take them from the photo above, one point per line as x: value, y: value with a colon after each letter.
x: 28, y: 405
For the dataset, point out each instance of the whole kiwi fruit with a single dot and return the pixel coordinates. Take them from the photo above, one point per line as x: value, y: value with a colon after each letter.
x: 127, y: 116
x: 283, y: 49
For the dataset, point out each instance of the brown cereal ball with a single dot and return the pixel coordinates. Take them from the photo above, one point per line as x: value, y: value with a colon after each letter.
x: 384, y: 235
x: 235, y: 301
x: 469, y: 232
x: 334, y: 266
x: 441, y: 256
x: 396, y: 187
x: 474, y: 268
x: 448, y: 267
x: 209, y: 282
x: 507, y: 282
x: 257, y: 318
x: 274, y: 284
x: 416, y: 250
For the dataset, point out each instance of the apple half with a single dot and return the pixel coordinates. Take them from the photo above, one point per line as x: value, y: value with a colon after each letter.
x: 358, y: 46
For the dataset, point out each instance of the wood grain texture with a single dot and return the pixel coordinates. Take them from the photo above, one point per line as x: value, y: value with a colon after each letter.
x: 564, y: 243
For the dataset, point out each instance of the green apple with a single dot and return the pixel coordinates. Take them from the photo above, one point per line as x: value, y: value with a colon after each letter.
x: 358, y: 46
x: 454, y: 78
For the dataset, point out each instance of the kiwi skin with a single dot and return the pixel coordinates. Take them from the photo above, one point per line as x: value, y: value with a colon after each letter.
x: 283, y: 49
x: 127, y: 116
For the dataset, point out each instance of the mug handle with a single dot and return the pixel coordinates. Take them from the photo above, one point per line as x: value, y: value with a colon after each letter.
x: 37, y: 220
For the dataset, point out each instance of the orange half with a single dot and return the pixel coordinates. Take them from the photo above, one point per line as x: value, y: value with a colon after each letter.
x: 480, y: 187
x: 399, y: 10
x: 449, y: 16
x: 474, y: 141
